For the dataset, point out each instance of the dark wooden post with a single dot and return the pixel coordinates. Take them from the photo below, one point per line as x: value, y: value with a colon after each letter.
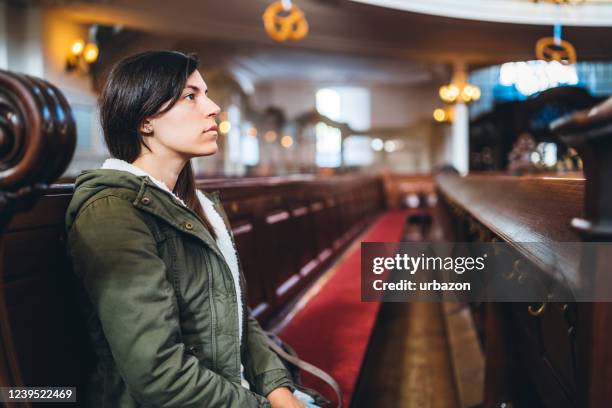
x: 590, y: 133
x: 37, y: 141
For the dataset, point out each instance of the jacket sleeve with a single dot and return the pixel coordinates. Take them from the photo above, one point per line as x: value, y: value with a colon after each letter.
x: 267, y: 370
x: 115, y: 255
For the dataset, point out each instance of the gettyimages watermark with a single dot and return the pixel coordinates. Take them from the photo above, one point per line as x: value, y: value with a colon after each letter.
x: 486, y: 272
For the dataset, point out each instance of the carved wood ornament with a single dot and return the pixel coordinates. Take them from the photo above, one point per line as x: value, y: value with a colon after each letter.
x: 37, y: 140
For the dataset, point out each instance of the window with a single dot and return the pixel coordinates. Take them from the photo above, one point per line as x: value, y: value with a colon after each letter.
x: 328, y: 103
x: 249, y: 145
x: 350, y: 105
x: 329, y: 145
x: 530, y: 77
x: 357, y: 151
x: 347, y: 104
x: 83, y: 117
x: 233, y: 137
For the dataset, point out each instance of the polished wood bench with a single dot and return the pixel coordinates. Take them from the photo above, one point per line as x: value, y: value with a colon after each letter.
x: 554, y: 354
x: 302, y: 222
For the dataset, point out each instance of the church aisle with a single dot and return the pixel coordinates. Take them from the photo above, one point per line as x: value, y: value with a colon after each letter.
x: 409, y: 365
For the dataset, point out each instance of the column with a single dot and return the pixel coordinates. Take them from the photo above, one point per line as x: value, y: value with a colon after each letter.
x: 461, y: 124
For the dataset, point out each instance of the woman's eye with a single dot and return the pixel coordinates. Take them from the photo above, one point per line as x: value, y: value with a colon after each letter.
x: 191, y: 97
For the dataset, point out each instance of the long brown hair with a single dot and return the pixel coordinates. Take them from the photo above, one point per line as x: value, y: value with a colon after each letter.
x: 136, y: 89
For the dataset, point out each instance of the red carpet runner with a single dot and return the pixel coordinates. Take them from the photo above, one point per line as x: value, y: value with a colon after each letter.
x: 333, y: 329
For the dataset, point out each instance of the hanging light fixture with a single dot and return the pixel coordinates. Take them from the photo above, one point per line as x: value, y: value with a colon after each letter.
x: 555, y: 48
x: 284, y: 21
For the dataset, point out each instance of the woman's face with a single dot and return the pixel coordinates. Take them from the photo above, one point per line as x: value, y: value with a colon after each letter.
x: 189, y: 128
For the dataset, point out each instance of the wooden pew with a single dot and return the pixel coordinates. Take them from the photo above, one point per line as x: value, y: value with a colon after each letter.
x: 300, y: 223
x: 551, y: 354
x: 303, y: 222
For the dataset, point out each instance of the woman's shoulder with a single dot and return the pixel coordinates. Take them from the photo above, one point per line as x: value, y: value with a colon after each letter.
x: 109, y: 204
x: 109, y: 189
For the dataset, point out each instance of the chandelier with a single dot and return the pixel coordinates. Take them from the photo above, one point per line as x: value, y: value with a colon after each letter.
x: 453, y: 93
x: 284, y: 21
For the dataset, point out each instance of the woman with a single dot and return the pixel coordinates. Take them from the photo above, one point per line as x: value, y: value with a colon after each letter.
x: 165, y: 297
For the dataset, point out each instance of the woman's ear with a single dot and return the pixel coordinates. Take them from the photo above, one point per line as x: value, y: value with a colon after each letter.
x: 146, y: 128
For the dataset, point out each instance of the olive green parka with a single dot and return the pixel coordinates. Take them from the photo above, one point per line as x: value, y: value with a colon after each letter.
x: 160, y: 301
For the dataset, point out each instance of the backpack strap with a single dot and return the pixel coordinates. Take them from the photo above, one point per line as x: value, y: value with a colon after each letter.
x: 309, y: 368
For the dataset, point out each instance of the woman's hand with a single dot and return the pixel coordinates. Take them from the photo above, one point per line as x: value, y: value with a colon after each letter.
x: 283, y: 398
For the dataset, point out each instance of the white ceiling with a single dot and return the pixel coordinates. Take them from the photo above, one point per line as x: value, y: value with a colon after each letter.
x: 593, y: 13
x: 327, y: 68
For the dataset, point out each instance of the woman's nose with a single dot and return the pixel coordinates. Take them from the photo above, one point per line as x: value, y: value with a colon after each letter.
x: 212, y: 110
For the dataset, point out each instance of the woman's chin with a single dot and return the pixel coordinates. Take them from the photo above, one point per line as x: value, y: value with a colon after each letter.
x: 209, y: 150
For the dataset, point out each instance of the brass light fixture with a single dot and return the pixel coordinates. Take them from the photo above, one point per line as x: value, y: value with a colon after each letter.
x: 453, y: 93
x: 82, y: 54
x: 555, y: 48
x: 284, y: 21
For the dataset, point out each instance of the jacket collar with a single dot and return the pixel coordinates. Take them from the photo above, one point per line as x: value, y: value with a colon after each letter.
x: 155, y: 201
x: 156, y: 198
x: 118, y: 164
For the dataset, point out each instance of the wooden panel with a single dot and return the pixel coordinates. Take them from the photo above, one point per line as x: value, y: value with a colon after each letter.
x: 280, y: 253
x: 244, y: 235
x: 41, y: 300
x: 49, y: 210
x: 544, y: 381
x: 304, y: 229
x: 557, y: 340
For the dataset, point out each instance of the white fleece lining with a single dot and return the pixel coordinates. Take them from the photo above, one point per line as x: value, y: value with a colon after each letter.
x: 224, y: 241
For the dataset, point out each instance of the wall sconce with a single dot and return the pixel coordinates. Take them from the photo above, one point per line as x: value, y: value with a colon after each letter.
x: 81, y: 56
